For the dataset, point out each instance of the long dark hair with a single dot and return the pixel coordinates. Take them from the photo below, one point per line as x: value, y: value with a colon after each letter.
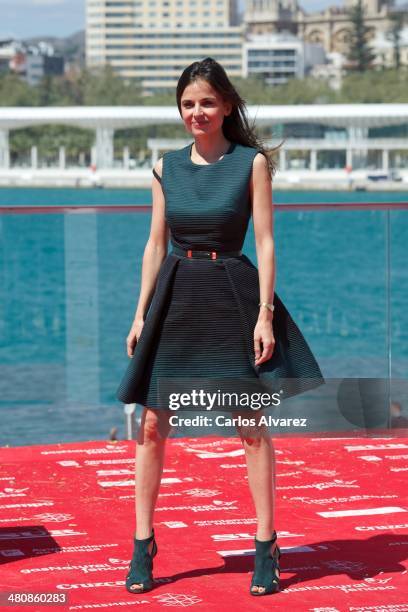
x: 236, y: 127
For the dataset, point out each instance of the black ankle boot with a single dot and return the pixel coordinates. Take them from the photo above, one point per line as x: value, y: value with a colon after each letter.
x: 267, y: 570
x: 141, y: 566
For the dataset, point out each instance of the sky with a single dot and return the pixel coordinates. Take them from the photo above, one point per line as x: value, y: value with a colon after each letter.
x: 28, y: 18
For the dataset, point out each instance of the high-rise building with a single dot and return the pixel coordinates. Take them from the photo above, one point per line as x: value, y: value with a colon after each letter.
x: 154, y: 40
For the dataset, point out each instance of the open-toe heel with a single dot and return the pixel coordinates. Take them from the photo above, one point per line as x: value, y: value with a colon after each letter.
x: 140, y: 575
x: 267, y: 571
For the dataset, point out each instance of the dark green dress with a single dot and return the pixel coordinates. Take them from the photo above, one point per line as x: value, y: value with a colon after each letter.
x: 200, y: 323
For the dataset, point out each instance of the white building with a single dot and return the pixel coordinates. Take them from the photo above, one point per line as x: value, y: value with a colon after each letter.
x: 279, y: 57
x: 8, y: 50
x: 331, y: 71
x: 383, y: 47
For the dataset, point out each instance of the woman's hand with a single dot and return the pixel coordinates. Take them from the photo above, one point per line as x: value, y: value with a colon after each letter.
x: 134, y: 335
x: 264, y: 341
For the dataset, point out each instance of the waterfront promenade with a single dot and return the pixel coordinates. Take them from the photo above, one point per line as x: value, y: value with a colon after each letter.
x: 291, y: 180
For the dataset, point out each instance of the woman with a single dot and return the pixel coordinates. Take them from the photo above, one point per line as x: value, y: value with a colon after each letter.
x: 205, y: 310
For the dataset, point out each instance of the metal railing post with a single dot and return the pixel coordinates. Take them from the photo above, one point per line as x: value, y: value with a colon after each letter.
x: 130, y: 423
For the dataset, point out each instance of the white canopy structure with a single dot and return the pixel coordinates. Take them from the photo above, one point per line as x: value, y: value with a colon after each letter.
x: 356, y: 118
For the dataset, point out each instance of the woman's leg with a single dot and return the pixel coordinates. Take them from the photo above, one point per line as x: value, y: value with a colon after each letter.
x: 261, y: 469
x: 150, y: 448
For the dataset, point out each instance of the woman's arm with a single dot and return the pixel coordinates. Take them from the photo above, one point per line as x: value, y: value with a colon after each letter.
x: 154, y: 253
x: 260, y: 189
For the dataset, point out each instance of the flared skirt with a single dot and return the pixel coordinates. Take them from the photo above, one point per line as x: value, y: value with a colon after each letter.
x: 198, y: 334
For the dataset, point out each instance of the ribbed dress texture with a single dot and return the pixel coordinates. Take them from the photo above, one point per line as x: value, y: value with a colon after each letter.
x: 200, y: 322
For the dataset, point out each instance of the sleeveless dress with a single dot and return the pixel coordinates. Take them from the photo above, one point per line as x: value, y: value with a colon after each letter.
x: 200, y: 322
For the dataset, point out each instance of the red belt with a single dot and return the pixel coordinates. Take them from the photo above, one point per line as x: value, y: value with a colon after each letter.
x: 192, y: 253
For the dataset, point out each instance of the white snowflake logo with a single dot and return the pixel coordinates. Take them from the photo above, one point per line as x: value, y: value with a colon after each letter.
x: 203, y: 492
x: 345, y: 566
x: 178, y: 599
x: 54, y: 518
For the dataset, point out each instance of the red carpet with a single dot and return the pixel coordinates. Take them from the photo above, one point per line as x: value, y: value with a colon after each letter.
x: 67, y: 522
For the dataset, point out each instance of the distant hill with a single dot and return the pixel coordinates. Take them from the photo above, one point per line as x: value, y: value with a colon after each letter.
x: 72, y: 48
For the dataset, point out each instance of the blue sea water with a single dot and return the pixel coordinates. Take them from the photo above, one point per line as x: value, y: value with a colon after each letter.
x: 108, y: 197
x: 70, y: 284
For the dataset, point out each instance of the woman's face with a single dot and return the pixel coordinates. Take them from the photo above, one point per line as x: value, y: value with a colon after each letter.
x: 203, y: 108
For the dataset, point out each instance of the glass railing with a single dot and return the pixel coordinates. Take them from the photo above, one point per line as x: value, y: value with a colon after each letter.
x: 70, y: 283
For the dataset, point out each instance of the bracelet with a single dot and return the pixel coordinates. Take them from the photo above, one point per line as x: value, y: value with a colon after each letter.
x: 270, y: 307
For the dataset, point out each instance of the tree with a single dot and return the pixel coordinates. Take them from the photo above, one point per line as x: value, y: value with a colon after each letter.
x: 360, y: 55
x: 394, y: 34
x: 103, y: 87
x: 16, y: 92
